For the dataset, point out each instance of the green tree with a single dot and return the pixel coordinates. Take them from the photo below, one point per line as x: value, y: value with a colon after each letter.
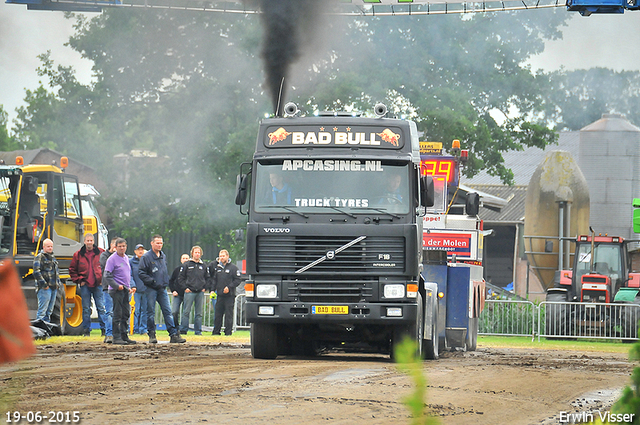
x: 452, y: 74
x: 61, y: 118
x: 7, y: 142
x: 188, y: 89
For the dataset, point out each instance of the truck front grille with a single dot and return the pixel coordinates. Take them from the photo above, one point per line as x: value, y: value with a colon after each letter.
x: 283, y: 255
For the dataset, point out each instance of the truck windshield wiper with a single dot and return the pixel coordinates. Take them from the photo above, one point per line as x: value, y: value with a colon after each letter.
x: 384, y: 211
x: 287, y: 209
x: 344, y: 212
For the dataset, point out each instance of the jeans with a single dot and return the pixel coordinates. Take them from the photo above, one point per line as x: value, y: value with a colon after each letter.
x: 197, y: 299
x: 86, y: 292
x: 140, y: 314
x: 175, y: 309
x: 108, y: 307
x: 162, y: 298
x: 46, y: 303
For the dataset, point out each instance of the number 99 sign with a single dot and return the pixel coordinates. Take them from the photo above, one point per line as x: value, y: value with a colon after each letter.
x: 440, y: 167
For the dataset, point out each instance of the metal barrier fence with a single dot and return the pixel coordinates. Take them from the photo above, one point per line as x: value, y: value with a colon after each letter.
x: 588, y: 320
x: 239, y: 317
x: 508, y: 317
x: 515, y: 318
x: 560, y: 320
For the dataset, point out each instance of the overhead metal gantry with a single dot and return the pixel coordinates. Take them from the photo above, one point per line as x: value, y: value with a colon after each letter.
x: 344, y: 7
x: 349, y: 8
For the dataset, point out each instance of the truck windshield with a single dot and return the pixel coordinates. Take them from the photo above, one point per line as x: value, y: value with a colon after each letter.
x: 322, y: 186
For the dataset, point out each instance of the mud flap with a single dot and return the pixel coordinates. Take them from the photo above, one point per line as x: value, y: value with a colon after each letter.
x: 456, y: 337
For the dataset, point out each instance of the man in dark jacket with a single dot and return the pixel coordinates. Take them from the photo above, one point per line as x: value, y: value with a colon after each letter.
x: 225, y: 281
x: 153, y: 273
x: 194, y: 278
x: 140, y: 296
x: 177, y: 290
x: 86, y: 273
x: 47, y: 276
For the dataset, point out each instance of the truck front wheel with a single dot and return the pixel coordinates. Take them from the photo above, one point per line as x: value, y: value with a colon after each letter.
x: 415, y: 331
x: 431, y: 347
x: 264, y: 341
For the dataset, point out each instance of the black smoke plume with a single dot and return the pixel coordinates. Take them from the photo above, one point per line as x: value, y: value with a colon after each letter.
x: 289, y: 26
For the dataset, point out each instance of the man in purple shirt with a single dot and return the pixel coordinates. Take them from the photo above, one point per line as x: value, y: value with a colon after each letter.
x: 117, y: 273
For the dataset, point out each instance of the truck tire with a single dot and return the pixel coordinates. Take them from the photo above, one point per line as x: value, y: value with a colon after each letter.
x: 264, y: 341
x: 472, y: 335
x: 415, y: 331
x: 557, y: 316
x: 431, y: 347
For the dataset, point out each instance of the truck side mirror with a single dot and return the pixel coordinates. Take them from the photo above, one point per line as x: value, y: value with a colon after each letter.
x: 427, y: 192
x: 472, y: 205
x: 241, y: 189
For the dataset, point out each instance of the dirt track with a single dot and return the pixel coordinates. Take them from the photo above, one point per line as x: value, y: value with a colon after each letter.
x: 212, y: 382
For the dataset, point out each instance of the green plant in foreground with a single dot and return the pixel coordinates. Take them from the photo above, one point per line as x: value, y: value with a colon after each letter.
x: 627, y: 409
x: 629, y: 402
x: 410, y: 363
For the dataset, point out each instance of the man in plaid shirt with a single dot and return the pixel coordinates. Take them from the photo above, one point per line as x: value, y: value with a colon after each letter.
x: 45, y: 271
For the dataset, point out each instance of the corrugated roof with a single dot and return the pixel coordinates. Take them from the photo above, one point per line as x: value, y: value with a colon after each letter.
x: 513, y: 211
x: 524, y: 163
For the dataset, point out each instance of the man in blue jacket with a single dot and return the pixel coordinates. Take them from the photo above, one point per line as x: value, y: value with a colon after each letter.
x: 153, y: 273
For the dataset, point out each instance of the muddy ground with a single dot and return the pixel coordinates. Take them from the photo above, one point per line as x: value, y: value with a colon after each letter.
x: 218, y: 382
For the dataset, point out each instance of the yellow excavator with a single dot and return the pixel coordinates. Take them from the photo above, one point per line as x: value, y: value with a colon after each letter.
x: 39, y: 202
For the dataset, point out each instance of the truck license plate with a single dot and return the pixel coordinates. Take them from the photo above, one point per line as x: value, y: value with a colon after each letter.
x: 329, y: 309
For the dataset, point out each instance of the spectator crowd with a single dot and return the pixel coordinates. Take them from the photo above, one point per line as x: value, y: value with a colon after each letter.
x: 116, y: 281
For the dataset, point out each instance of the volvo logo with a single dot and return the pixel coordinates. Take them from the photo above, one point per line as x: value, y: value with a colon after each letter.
x: 277, y: 229
x: 331, y: 255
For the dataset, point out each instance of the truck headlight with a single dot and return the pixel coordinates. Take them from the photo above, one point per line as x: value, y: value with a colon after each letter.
x: 267, y: 291
x: 394, y: 291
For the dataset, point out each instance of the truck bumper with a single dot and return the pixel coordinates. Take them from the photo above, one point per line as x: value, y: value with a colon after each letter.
x: 389, y: 314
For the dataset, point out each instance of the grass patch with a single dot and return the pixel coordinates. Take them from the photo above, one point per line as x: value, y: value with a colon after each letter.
x: 484, y: 341
x: 553, y: 344
x: 238, y: 337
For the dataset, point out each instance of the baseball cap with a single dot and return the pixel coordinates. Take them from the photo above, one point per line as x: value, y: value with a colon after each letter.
x: 139, y: 246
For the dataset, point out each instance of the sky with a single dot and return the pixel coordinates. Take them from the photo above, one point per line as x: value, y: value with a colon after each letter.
x: 599, y: 40
x: 24, y: 34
